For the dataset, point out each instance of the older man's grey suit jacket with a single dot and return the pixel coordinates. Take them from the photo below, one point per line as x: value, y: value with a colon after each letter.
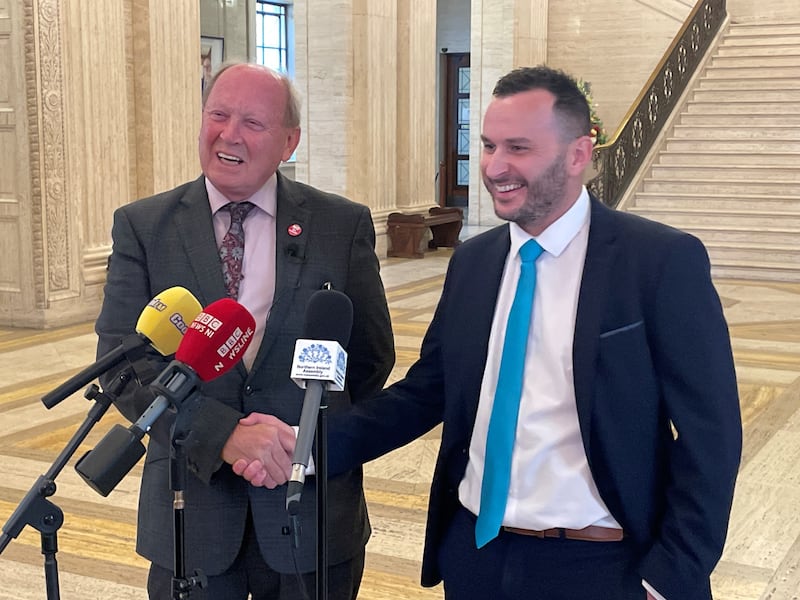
x: 167, y: 240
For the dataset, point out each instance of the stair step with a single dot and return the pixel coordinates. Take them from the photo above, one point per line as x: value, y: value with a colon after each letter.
x: 763, y: 29
x: 687, y: 218
x: 767, y: 97
x: 744, y: 72
x: 730, y: 158
x: 754, y: 83
x: 787, y: 107
x: 764, y: 50
x: 760, y: 41
x: 735, y: 133
x: 672, y: 172
x: 745, y: 234
x: 731, y: 186
x: 789, y: 59
x: 756, y: 272
x: 774, y: 253
x: 740, y: 121
x: 718, y: 202
x: 742, y: 147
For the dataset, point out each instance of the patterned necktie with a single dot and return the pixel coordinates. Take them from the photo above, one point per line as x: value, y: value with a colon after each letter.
x: 505, y: 410
x: 231, y: 251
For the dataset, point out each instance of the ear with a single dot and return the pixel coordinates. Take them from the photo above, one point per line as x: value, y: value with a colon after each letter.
x: 292, y: 139
x: 579, y: 155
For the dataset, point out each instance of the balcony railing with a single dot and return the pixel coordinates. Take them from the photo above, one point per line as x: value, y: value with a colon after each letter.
x: 620, y: 158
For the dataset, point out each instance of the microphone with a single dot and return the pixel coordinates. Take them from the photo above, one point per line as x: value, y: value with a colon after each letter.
x: 161, y: 325
x: 214, y: 342
x: 319, y: 362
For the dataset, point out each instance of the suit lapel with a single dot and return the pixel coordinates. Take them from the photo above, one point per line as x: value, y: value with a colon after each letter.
x: 484, y: 273
x: 193, y: 222
x: 292, y: 228
x: 593, y: 296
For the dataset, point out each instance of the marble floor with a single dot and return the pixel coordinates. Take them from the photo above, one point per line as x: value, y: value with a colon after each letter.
x: 96, y: 557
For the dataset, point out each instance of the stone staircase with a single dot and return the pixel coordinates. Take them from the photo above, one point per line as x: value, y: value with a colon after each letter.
x: 729, y: 170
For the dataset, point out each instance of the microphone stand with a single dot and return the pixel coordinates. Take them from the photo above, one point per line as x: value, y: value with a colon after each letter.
x: 320, y: 446
x: 181, y: 585
x: 321, y: 469
x: 41, y: 514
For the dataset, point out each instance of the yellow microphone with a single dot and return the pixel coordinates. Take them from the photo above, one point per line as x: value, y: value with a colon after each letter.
x: 166, y: 318
x: 161, y: 325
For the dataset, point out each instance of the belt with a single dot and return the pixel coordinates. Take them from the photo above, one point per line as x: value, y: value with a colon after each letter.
x: 593, y: 533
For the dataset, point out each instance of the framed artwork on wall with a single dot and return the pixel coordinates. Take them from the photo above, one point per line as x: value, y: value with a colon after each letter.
x: 212, y: 53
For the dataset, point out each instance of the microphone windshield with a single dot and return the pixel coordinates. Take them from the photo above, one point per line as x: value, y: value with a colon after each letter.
x: 329, y: 316
x: 166, y: 317
x: 217, y: 338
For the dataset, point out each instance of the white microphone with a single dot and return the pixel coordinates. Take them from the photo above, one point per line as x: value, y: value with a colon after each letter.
x: 319, y: 364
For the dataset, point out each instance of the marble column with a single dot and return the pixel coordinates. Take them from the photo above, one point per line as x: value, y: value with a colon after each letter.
x: 366, y: 71
x: 505, y: 34
x: 99, y: 104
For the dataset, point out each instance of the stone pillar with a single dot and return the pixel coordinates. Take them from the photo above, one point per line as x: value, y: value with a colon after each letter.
x: 100, y: 106
x: 366, y: 71
x: 505, y: 34
x: 416, y: 99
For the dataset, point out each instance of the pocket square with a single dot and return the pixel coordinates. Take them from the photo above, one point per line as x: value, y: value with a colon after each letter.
x: 622, y: 329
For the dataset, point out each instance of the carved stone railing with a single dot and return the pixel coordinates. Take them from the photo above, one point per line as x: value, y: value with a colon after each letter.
x: 619, y: 159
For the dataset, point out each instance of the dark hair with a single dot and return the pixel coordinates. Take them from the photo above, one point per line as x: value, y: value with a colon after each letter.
x: 571, y: 107
x: 291, y: 117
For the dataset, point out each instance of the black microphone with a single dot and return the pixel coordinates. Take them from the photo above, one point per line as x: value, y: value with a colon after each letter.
x: 319, y: 363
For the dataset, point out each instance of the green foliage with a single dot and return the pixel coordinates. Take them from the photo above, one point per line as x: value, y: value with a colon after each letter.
x: 598, y: 132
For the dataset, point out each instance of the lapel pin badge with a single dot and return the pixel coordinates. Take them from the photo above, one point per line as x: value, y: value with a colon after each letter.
x: 294, y: 230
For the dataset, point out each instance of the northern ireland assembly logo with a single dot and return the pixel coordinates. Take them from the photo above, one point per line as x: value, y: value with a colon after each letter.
x: 320, y: 360
x: 315, y: 354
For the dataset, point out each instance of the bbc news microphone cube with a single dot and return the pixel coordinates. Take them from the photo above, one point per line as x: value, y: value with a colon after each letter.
x: 319, y: 360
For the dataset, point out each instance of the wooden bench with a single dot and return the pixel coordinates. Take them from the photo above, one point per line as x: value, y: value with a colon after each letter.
x: 406, y: 232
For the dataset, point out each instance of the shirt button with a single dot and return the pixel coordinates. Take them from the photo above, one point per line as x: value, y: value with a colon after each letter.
x: 248, y: 390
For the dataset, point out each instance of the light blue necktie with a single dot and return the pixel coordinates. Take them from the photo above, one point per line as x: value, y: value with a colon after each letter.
x: 503, y: 422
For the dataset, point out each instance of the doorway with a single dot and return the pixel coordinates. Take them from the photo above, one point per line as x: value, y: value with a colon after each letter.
x: 456, y: 130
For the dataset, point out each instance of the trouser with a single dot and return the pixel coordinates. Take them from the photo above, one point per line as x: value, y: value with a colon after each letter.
x: 250, y: 574
x: 514, y: 567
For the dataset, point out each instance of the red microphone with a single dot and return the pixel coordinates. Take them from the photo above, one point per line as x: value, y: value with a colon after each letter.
x: 212, y: 345
x: 216, y: 339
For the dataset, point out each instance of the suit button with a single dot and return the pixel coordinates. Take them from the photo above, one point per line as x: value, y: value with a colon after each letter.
x: 248, y: 390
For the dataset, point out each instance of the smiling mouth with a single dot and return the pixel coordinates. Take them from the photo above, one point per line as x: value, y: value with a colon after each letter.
x: 229, y: 158
x: 507, y: 187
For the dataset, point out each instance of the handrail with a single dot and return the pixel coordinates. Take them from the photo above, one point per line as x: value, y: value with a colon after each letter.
x: 619, y: 159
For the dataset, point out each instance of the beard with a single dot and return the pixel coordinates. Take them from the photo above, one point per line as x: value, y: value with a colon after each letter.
x: 543, y: 193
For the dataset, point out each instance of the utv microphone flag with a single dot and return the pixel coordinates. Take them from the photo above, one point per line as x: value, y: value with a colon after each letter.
x: 161, y: 324
x: 166, y: 318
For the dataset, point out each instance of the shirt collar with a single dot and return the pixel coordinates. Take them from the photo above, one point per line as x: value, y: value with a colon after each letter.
x: 266, y: 198
x: 557, y: 236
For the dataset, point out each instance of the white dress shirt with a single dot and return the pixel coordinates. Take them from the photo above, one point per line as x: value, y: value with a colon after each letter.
x: 551, y: 485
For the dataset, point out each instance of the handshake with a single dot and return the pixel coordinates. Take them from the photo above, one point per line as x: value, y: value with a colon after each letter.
x: 260, y: 450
